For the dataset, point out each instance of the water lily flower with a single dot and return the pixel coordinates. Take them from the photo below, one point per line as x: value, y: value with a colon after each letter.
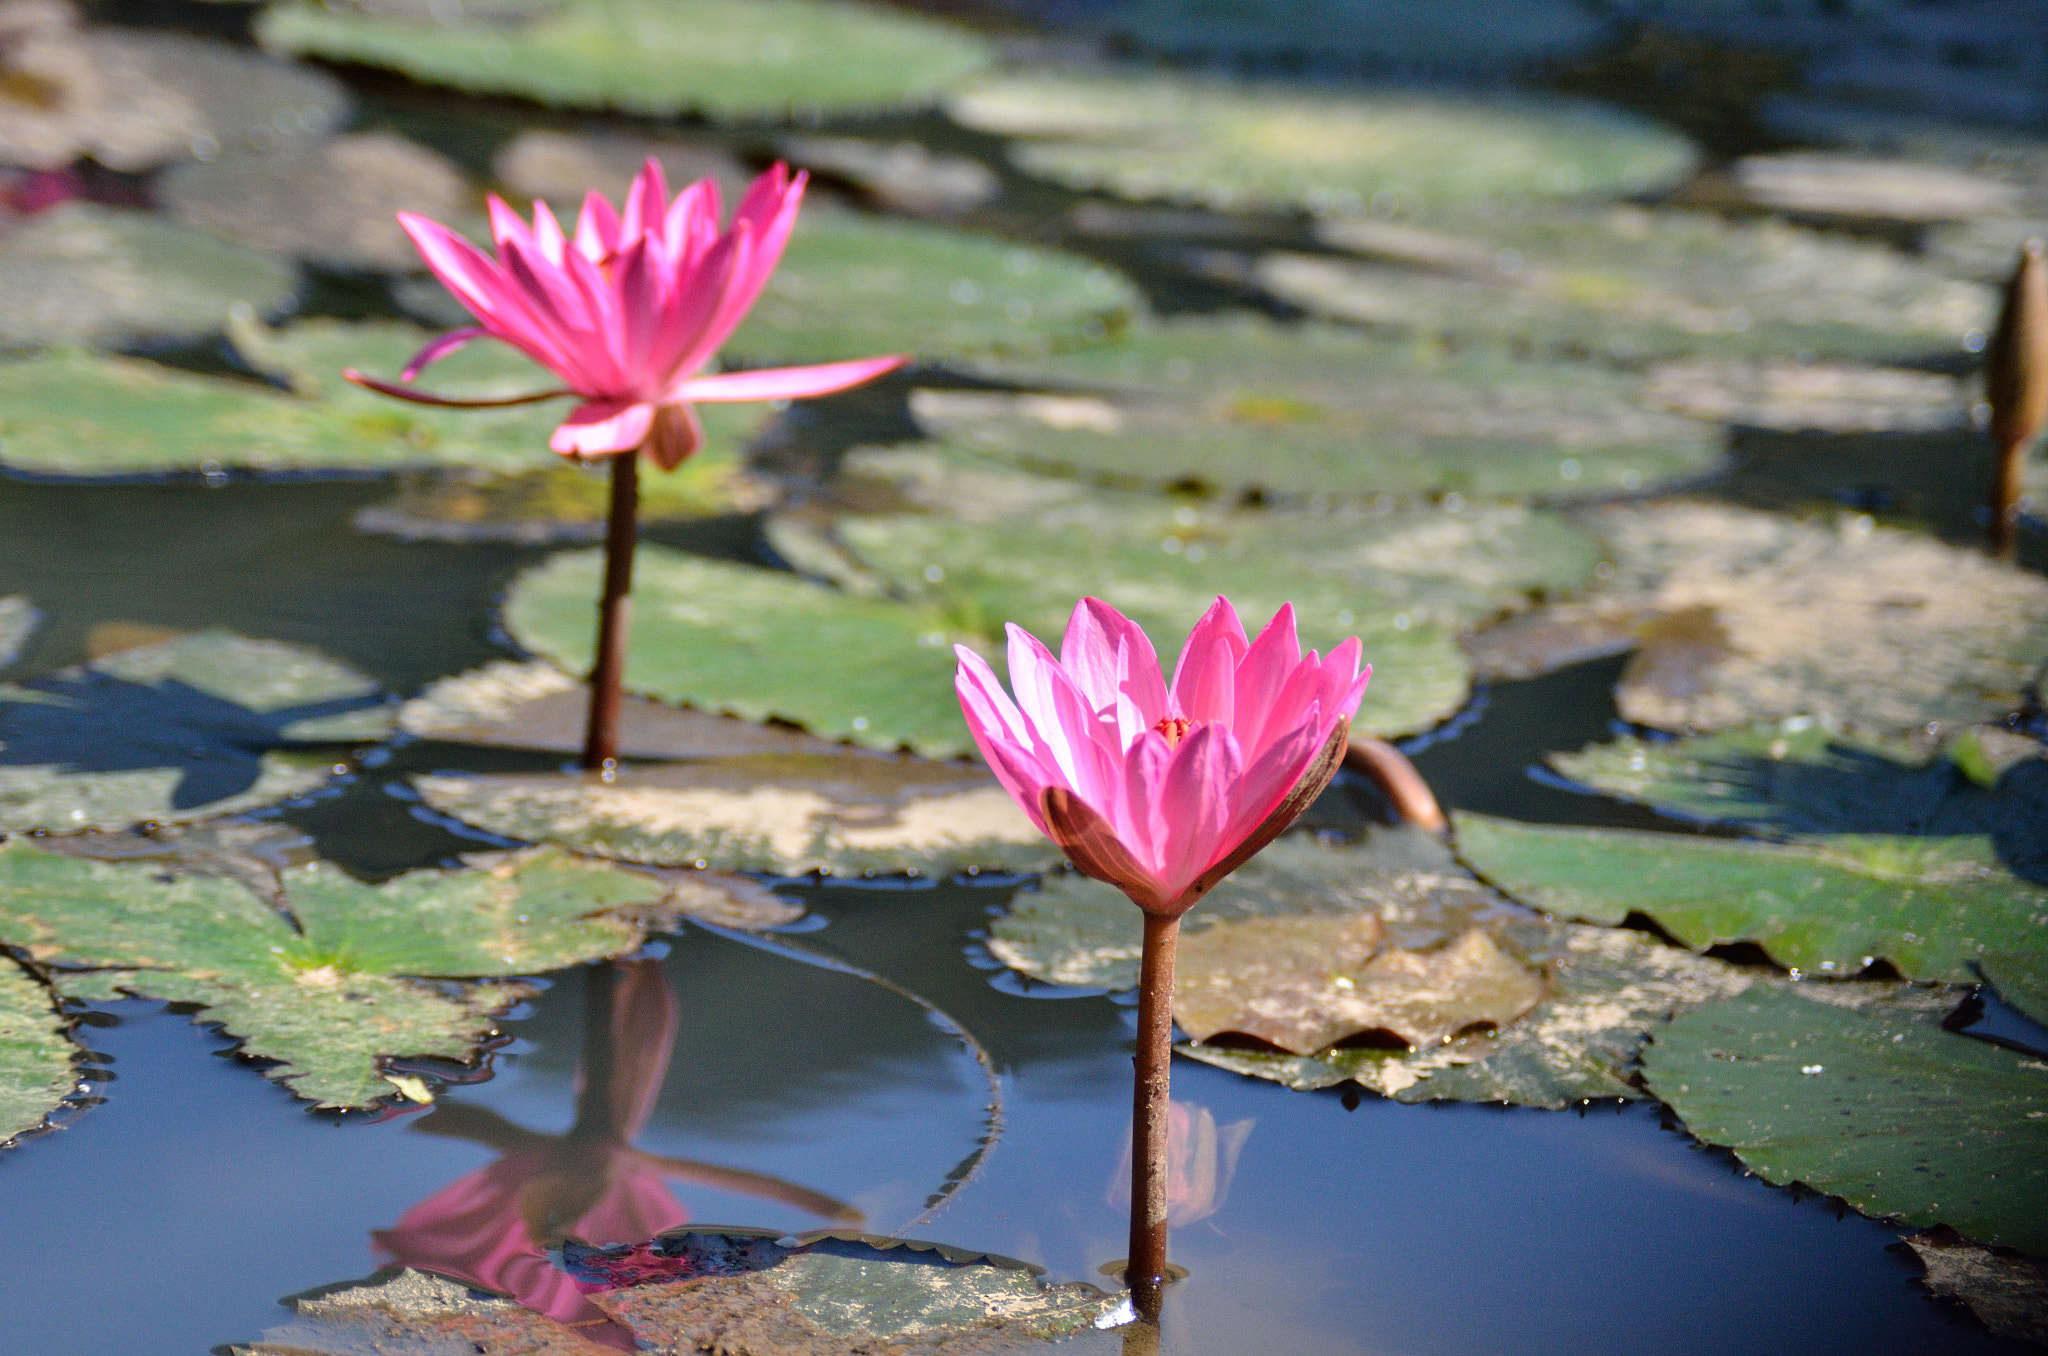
x: 627, y: 311
x: 1163, y: 790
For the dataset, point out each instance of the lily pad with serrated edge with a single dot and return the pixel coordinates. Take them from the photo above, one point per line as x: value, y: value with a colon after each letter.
x: 1828, y: 904
x: 1872, y: 1102
x: 1602, y: 988
x: 786, y: 814
x: 1313, y: 409
x: 851, y: 286
x: 758, y: 644
x: 36, y: 1056
x: 739, y: 1290
x: 1236, y: 146
x: 18, y: 621
x: 2006, y: 1291
x: 726, y: 58
x: 1633, y: 284
x: 80, y: 274
x: 1725, y: 603
x: 331, y: 1001
x: 202, y: 725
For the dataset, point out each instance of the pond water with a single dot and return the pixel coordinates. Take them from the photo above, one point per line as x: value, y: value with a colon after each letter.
x: 181, y: 1210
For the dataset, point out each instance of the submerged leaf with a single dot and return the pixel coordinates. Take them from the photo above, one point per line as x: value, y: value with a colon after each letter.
x: 759, y: 644
x: 787, y: 814
x: 36, y: 1056
x: 727, y: 58
x: 1830, y: 904
x: 1873, y: 1102
x: 1234, y: 146
x: 189, y: 728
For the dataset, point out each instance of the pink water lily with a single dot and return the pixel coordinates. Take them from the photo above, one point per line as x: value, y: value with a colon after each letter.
x: 1162, y: 790
x: 628, y: 311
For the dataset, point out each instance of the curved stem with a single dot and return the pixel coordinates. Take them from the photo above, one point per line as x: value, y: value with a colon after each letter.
x: 614, y: 615
x: 2005, y: 497
x: 1396, y: 776
x: 1145, y: 1273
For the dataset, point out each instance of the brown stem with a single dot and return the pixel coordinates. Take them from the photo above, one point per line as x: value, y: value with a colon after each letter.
x: 1397, y: 777
x: 614, y: 615
x: 1145, y: 1273
x: 2005, y: 497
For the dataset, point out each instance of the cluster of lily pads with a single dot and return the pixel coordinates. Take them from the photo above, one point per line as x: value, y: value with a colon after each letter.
x: 1518, y: 330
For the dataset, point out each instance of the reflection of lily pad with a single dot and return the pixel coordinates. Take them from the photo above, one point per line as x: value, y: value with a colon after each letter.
x: 1873, y: 1103
x: 759, y: 644
x: 328, y: 1003
x: 36, y: 1072
x: 851, y: 285
x: 335, y: 201
x: 1827, y: 905
x: 735, y: 1290
x: 85, y: 274
x: 181, y: 729
x: 1630, y: 283
x: 729, y: 58
x: 18, y: 621
x: 786, y: 814
x: 1726, y: 603
x: 1312, y: 409
x: 1601, y: 988
x: 1236, y: 146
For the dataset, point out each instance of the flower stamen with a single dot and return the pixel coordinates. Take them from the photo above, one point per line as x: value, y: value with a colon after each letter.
x: 1175, y: 728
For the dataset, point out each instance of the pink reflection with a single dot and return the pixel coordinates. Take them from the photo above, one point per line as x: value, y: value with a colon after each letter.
x: 490, y: 1229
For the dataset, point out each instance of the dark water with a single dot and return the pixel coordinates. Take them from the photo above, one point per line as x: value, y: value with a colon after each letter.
x: 173, y: 1217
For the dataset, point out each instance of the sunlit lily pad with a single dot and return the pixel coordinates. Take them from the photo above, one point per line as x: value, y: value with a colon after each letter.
x: 852, y: 285
x: 733, y: 1290
x: 1630, y: 283
x: 189, y: 728
x: 1725, y: 605
x: 1598, y: 989
x: 1873, y: 1103
x: 903, y: 176
x: 1313, y: 409
x: 1399, y: 581
x: 329, y: 1002
x: 1829, y: 904
x: 2007, y: 1292
x: 758, y: 644
x: 561, y: 168
x: 18, y: 621
x: 727, y: 58
x: 335, y: 201
x: 36, y: 1073
x: 1235, y: 146
x: 1862, y: 188
x: 133, y: 100
x: 783, y: 813
x: 85, y: 274
x: 1811, y: 397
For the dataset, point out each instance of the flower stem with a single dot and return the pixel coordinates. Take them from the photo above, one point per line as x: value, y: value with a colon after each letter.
x: 2005, y: 497
x: 614, y: 614
x: 1398, y: 780
x: 1146, y: 1271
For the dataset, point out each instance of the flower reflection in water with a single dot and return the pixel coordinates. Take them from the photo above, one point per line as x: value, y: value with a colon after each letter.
x: 491, y: 1228
x: 1200, y: 1161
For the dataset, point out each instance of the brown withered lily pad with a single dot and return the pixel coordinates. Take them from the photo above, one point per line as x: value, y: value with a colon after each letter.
x: 1305, y: 984
x: 2007, y: 1290
x: 782, y: 813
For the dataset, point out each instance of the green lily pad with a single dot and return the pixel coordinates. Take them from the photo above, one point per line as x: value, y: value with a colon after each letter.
x: 850, y: 286
x: 1811, y: 397
x: 135, y: 100
x: 36, y: 1073
x: 786, y: 814
x: 1399, y: 581
x: 1601, y: 989
x: 828, y: 1294
x: 1313, y: 409
x: 1874, y: 1104
x: 85, y: 274
x: 758, y: 644
x: 2007, y: 1292
x: 726, y: 58
x: 1632, y: 284
x: 335, y: 201
x: 1724, y: 605
x: 903, y: 176
x: 331, y: 1001
x: 191, y: 728
x: 18, y: 621
x: 1829, y: 904
x: 1235, y: 146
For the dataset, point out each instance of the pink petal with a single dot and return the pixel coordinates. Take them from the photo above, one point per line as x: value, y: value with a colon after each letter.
x: 1088, y: 653
x: 1004, y: 720
x: 597, y: 229
x: 547, y: 233
x: 769, y: 210
x: 441, y: 348
x: 1142, y: 825
x: 1195, y: 804
x: 695, y: 208
x: 691, y: 330
x: 599, y: 427
x: 1204, y: 680
x: 474, y: 278
x: 646, y: 202
x: 1067, y: 732
x: 507, y: 224
x: 788, y: 383
x: 1261, y: 674
x: 1273, y: 774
